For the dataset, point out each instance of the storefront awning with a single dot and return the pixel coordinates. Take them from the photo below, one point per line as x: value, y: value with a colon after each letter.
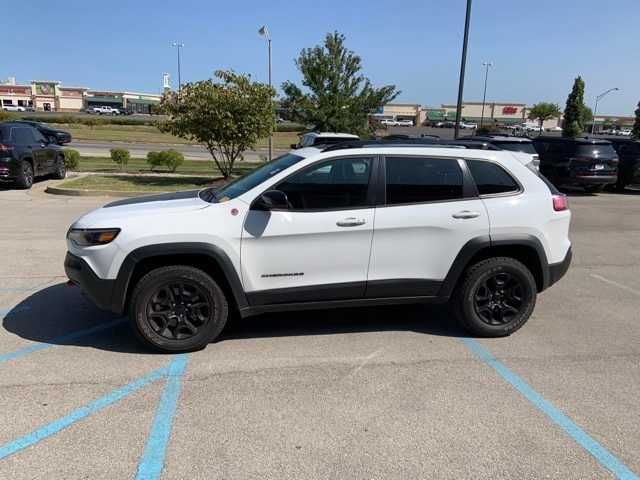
x: 142, y: 101
x: 104, y: 99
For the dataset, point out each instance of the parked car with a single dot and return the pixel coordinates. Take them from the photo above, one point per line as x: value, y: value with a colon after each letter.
x: 590, y: 163
x: 629, y: 161
x: 624, y: 132
x: 105, y: 110
x: 54, y: 135
x: 298, y: 233
x: 468, y: 125
x: 555, y: 128
x: 389, y: 122
x: 404, y: 123
x: 13, y: 108
x: 25, y: 154
x: 312, y: 139
x: 518, y: 145
x: 445, y: 124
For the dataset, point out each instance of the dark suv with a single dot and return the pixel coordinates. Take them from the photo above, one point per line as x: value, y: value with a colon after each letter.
x: 590, y: 163
x: 25, y: 153
x: 629, y: 167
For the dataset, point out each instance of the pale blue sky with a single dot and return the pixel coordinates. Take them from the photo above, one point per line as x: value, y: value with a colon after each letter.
x: 538, y: 47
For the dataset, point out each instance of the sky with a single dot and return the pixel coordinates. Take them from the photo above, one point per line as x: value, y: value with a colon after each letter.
x: 537, y: 47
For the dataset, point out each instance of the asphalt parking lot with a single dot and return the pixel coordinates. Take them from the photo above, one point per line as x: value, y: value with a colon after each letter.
x: 381, y: 393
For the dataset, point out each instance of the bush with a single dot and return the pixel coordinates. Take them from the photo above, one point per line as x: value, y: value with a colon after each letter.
x: 120, y: 156
x: 4, y: 116
x: 171, y: 159
x: 486, y: 129
x: 289, y: 127
x: 71, y: 158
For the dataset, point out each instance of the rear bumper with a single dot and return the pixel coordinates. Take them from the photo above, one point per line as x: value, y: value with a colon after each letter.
x: 594, y: 179
x: 98, y: 290
x: 8, y: 171
x: 558, y: 270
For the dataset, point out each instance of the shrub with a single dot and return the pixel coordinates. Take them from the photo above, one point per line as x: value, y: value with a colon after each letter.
x: 120, y: 156
x: 171, y: 159
x: 71, y: 159
x: 487, y: 129
x: 289, y: 127
x: 4, y: 116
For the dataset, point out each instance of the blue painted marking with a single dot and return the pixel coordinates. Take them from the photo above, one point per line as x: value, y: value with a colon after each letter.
x: 601, y: 454
x: 152, y: 461
x: 79, y: 414
x: 5, y: 357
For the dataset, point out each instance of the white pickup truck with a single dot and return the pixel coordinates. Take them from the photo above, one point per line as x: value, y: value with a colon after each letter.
x: 105, y: 111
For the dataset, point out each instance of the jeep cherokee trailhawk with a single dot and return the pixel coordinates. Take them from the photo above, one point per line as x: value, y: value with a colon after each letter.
x: 360, y: 223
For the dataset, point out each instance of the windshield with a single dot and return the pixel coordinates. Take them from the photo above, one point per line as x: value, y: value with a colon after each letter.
x: 250, y: 180
x: 524, y: 147
x: 595, y: 150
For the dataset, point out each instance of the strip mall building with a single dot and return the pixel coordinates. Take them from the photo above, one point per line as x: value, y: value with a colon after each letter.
x: 503, y: 113
x: 52, y: 96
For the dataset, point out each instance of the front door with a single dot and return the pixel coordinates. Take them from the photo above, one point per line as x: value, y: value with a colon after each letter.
x: 427, y: 218
x: 318, y: 248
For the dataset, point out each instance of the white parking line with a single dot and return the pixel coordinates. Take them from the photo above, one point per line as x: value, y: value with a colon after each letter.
x: 615, y: 284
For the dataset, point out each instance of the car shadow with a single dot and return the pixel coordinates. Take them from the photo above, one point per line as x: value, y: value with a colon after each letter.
x: 60, y: 315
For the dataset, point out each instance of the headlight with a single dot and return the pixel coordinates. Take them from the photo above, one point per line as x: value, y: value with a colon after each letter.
x: 86, y: 237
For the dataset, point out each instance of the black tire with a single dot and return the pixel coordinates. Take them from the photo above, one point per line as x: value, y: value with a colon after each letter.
x: 478, y: 311
x: 25, y: 175
x: 171, y: 329
x: 61, y: 170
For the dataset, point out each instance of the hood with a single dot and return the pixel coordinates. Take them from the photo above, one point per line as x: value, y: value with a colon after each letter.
x: 164, y: 204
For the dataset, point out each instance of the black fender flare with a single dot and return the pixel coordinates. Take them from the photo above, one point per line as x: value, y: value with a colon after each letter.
x: 215, y: 253
x: 475, y: 245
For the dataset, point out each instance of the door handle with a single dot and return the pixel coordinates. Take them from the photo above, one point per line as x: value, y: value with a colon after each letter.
x: 465, y: 214
x: 351, y: 222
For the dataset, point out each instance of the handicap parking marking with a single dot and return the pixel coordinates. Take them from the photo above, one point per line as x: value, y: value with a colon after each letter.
x: 601, y: 454
x: 81, y: 413
x: 5, y: 357
x: 152, y: 461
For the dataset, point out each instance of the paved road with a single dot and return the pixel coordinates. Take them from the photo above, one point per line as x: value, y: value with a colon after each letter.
x: 384, y: 393
x: 140, y: 150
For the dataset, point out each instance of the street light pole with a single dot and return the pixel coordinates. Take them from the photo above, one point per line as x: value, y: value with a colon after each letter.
x: 595, y: 107
x: 463, y: 63
x: 484, y: 96
x: 264, y: 32
x: 178, y: 46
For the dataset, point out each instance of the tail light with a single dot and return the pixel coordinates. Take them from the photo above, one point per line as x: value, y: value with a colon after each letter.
x: 4, y: 148
x: 560, y: 202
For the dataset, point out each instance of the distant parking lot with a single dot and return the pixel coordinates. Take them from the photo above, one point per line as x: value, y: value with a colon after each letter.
x: 394, y: 392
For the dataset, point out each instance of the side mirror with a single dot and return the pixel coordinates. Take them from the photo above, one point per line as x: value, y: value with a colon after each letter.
x: 294, y: 146
x: 271, y: 200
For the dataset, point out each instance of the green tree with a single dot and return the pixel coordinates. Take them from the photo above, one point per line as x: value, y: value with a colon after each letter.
x: 337, y: 97
x: 574, y: 111
x: 227, y: 117
x: 544, y: 111
x: 635, y: 133
x: 120, y: 156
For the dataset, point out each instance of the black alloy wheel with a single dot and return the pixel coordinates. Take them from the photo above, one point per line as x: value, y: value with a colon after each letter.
x: 499, y: 299
x: 178, y: 311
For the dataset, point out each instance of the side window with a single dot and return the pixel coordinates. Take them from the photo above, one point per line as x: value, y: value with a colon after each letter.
x: 39, y: 138
x: 491, y: 178
x: 22, y: 136
x: 337, y: 184
x: 420, y: 180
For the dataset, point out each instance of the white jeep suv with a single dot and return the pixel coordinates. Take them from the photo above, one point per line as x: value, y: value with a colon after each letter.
x: 362, y: 223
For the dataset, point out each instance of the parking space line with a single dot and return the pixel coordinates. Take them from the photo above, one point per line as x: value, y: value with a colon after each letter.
x: 615, y: 284
x: 79, y: 414
x: 601, y: 454
x: 5, y: 357
x: 152, y: 461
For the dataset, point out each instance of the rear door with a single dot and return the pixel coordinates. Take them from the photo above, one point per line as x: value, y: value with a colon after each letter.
x: 430, y: 212
x: 23, y: 137
x: 46, y: 150
x: 318, y: 248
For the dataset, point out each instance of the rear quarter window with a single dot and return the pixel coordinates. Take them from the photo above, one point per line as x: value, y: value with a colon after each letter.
x: 492, y: 179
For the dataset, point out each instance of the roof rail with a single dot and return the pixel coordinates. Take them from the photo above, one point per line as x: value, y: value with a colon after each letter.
x: 399, y: 142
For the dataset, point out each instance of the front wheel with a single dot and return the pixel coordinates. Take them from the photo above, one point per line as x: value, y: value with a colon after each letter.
x: 61, y: 170
x: 495, y: 297
x: 178, y: 309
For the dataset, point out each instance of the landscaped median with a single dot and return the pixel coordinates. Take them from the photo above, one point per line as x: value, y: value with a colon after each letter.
x: 127, y: 185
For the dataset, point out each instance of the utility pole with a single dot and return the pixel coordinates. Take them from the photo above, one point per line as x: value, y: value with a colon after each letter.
x: 463, y: 63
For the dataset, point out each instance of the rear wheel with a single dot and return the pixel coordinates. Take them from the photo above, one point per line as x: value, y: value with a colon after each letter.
x: 178, y: 309
x: 495, y: 297
x: 61, y: 170
x: 25, y: 175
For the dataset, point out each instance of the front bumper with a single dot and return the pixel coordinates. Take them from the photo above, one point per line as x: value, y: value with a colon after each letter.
x: 98, y: 290
x: 557, y: 270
